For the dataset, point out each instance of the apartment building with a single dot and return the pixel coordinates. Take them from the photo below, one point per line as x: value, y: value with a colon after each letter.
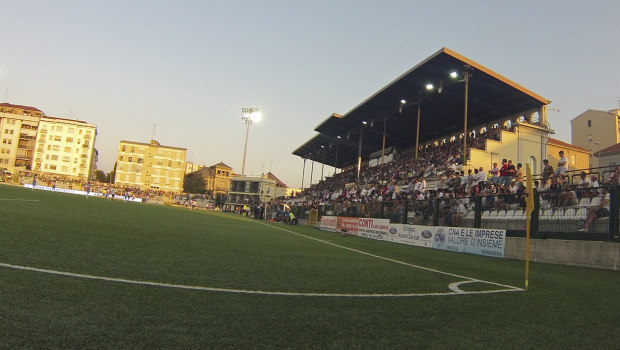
x: 65, y: 147
x: 150, y: 166
x: 18, y: 131
x: 596, y: 130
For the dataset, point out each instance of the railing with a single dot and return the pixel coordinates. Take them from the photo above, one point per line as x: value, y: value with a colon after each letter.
x: 557, y: 214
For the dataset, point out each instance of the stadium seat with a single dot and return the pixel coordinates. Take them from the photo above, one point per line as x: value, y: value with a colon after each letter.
x: 558, y: 214
x: 501, y: 215
x: 584, y: 202
x: 581, y: 214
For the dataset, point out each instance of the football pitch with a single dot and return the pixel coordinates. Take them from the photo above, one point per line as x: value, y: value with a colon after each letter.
x: 79, y: 272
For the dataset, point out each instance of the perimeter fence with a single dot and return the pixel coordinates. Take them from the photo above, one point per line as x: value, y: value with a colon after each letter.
x: 588, y: 214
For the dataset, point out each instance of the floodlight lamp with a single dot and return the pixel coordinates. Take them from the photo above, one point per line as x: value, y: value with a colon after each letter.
x: 256, y: 116
x: 322, y: 146
x: 339, y: 137
x: 429, y: 86
x: 364, y: 122
x: 403, y: 101
x: 454, y: 75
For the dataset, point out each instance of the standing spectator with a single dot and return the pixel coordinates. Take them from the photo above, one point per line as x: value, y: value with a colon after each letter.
x: 547, y: 170
x: 503, y: 172
x: 519, y: 174
x: 494, y: 174
x: 562, y: 165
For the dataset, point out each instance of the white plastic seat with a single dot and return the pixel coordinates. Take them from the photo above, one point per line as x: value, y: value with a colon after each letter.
x: 558, y: 214
x: 584, y: 202
x: 581, y: 214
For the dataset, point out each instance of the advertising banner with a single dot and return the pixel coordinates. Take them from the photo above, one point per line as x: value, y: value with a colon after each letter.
x: 421, y: 236
x: 329, y: 223
x: 488, y: 242
x: 348, y: 225
x: 373, y: 228
x: 447, y: 239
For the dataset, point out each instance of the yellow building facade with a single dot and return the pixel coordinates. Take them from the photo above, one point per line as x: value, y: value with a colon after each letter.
x: 65, y: 147
x: 150, y: 166
x: 578, y: 157
x: 595, y: 130
x: 217, y: 179
x: 18, y: 132
x: 33, y: 142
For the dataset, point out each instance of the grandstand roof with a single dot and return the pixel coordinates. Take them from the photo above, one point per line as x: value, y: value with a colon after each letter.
x: 491, y: 97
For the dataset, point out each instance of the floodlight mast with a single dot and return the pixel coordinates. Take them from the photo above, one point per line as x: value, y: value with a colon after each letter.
x: 246, y: 115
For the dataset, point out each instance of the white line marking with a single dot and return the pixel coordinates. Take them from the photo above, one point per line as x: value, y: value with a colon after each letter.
x: 19, y: 199
x: 469, y: 279
x: 239, y: 291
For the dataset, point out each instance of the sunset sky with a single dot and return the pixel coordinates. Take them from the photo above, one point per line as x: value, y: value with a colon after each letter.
x: 188, y: 67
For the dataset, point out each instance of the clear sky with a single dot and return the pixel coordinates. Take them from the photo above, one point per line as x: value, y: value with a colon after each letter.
x: 190, y: 66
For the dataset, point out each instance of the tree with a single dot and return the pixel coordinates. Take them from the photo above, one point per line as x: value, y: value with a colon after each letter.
x: 194, y: 183
x: 100, y: 176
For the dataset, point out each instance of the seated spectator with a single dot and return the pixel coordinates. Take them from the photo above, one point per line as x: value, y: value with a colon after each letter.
x: 598, y: 209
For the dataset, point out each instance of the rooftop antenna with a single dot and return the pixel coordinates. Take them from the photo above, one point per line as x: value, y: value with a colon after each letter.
x: 153, y: 132
x: 270, y: 165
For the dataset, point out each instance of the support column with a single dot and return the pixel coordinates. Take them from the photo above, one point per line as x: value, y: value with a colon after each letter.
x: 465, y: 118
x: 359, y: 155
x: 383, y: 149
x: 417, y: 135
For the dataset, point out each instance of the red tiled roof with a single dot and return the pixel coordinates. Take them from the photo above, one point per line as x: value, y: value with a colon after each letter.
x: 71, y: 120
x: 271, y: 176
x: 559, y: 143
x: 20, y: 106
x: 611, y: 149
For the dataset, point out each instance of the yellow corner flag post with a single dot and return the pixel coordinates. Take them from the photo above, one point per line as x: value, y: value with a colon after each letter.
x: 529, y: 208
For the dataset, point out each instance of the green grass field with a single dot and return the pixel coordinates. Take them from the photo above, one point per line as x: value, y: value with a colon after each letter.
x: 193, y: 279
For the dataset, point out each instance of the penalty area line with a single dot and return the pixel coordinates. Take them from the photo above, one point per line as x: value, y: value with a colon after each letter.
x: 455, y: 291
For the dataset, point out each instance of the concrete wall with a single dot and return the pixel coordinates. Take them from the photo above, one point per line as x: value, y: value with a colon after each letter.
x: 600, y: 255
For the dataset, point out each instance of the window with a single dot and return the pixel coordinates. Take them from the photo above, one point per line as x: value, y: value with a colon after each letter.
x: 69, y: 139
x: 10, y: 132
x: 49, y: 147
x: 67, y: 149
x: 589, y: 123
x: 72, y: 130
x: 589, y: 138
x: 55, y: 148
x: 573, y: 159
x: 123, y: 149
x: 57, y: 138
x: 66, y: 159
x: 65, y: 168
x: 54, y: 157
x: 59, y: 128
x: 52, y: 167
x: 129, y: 159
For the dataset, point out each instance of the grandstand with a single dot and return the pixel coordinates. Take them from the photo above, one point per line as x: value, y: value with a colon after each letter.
x: 426, y: 143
